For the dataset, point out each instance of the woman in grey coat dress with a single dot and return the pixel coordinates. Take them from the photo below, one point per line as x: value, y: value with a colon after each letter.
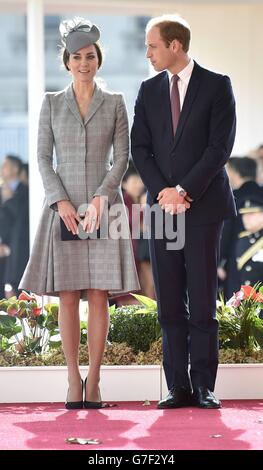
x: 82, y: 122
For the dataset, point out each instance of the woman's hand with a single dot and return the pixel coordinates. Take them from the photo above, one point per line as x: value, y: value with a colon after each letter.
x: 69, y: 215
x: 94, y: 213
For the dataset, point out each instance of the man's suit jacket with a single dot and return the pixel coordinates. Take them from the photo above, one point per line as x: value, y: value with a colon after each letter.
x: 196, y: 155
x: 14, y: 231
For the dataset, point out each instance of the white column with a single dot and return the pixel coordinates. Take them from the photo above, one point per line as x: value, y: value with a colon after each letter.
x: 35, y: 78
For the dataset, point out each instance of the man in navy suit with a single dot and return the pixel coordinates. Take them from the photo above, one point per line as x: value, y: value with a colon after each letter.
x: 182, y: 136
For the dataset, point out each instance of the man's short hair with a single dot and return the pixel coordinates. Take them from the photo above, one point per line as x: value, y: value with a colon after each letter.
x: 172, y: 27
x: 16, y: 161
x: 246, y: 167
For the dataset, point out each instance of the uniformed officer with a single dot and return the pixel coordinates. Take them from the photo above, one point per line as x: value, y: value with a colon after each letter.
x: 249, y: 246
x: 237, y: 265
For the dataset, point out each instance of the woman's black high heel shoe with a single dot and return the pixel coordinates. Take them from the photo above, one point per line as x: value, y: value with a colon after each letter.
x: 91, y: 404
x: 75, y: 405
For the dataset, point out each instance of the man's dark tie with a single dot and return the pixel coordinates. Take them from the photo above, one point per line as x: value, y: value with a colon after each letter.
x: 175, y: 102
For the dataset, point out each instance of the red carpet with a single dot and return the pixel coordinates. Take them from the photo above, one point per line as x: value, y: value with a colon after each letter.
x: 238, y: 426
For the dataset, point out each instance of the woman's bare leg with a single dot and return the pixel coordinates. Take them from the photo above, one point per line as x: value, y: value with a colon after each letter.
x: 98, y: 327
x: 69, y: 325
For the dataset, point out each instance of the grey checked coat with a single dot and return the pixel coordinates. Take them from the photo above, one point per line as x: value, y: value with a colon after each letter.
x: 83, y: 169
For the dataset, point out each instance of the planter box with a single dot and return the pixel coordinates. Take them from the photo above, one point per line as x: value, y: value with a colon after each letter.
x: 236, y: 382
x: 49, y: 384
x: 240, y: 381
x: 121, y: 383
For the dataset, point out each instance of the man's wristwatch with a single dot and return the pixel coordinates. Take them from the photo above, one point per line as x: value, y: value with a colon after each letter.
x: 181, y: 191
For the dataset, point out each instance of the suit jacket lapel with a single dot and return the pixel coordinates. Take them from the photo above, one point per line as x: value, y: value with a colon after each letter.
x: 97, y: 100
x: 188, y: 101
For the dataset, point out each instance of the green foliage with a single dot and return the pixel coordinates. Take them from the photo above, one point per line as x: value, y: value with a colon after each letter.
x: 149, y: 304
x: 30, y: 330
x: 135, y: 326
x: 26, y: 327
x: 83, y: 332
x: 8, y: 326
x: 4, y: 344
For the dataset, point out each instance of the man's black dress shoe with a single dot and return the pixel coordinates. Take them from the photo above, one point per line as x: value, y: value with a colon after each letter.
x: 204, y: 398
x: 176, y: 398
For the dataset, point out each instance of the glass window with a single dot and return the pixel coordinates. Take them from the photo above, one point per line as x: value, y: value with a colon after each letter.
x: 13, y: 86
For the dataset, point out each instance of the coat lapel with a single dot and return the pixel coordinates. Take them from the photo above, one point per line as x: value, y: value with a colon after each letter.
x: 95, y: 103
x: 188, y: 102
x: 72, y: 104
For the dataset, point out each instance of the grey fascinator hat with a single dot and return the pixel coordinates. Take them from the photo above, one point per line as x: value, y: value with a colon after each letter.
x: 78, y: 33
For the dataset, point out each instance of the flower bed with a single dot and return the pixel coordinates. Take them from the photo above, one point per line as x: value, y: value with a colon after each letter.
x: 240, y: 324
x: 29, y: 334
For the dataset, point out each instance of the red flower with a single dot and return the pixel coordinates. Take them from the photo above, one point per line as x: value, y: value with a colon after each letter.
x: 25, y: 296
x: 259, y: 297
x: 249, y: 292
x: 37, y: 311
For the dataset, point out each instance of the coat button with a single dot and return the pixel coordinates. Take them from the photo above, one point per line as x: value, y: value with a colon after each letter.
x: 248, y: 268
